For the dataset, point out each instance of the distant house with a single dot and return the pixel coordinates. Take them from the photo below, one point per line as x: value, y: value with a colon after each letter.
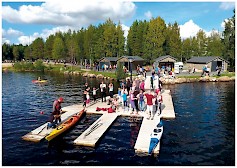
x: 165, y: 60
x: 211, y: 61
x: 135, y: 61
x: 107, y: 61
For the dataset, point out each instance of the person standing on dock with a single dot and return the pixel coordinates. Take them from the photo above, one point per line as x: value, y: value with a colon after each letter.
x: 140, y: 96
x: 103, y: 91
x: 132, y: 102
x: 160, y: 100
x: 149, y: 97
x: 94, y: 93
x: 55, y: 116
x: 111, y: 90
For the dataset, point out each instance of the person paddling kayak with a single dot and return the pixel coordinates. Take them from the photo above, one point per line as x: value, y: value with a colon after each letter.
x: 55, y: 116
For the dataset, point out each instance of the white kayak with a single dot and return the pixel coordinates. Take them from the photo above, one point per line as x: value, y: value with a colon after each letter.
x: 155, y: 137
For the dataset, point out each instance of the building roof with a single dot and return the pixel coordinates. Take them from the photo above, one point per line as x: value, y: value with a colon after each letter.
x: 204, y: 59
x: 109, y: 59
x: 134, y: 58
x: 159, y: 59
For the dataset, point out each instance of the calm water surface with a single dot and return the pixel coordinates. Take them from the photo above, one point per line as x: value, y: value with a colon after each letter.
x: 203, y: 132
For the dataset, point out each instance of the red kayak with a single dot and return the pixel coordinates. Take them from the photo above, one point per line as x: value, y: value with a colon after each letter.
x: 39, y: 81
x: 65, y: 125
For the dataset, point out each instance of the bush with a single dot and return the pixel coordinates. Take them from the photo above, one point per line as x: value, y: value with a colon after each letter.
x: 39, y: 66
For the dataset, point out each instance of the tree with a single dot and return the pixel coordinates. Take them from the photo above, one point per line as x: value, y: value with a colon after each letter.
x: 72, y: 47
x: 215, y: 46
x: 58, y: 51
x: 172, y: 44
x: 48, y: 47
x: 7, y: 52
x: 120, y: 41
x: 186, y: 49
x: 155, y: 39
x: 229, y: 40
x: 37, y: 49
x: 109, y: 38
x: 202, y: 43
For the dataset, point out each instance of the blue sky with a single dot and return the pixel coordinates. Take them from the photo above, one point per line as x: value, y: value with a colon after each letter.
x: 22, y: 22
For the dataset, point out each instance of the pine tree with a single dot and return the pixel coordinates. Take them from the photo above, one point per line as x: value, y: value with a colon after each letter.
x: 155, y: 39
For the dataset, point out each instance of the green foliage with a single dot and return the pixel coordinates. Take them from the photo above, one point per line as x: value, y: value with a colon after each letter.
x: 58, y: 51
x: 155, y: 39
x: 120, y: 72
x: 229, y: 40
x: 37, y: 49
x: 39, y: 66
x: 29, y: 66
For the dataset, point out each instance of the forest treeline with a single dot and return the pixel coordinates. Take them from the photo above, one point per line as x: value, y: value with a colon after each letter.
x: 147, y: 39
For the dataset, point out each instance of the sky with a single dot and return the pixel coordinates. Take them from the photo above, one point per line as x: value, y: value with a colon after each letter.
x: 23, y: 22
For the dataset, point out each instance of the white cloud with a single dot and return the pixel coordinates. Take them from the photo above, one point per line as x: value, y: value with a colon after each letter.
x: 4, y: 40
x: 189, y: 29
x: 11, y: 33
x: 148, y: 14
x: 223, y: 23
x: 69, y: 13
x: 125, y: 29
x: 227, y: 5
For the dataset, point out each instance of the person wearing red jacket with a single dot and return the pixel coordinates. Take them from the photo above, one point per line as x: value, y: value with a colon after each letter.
x: 55, y: 116
x: 149, y: 97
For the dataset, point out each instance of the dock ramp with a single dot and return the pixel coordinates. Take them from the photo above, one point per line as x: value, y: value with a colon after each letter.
x: 96, y: 130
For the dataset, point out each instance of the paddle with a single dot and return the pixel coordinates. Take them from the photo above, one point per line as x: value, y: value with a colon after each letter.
x: 41, y: 129
x: 97, y: 124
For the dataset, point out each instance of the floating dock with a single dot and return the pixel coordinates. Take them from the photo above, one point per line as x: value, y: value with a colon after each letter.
x: 143, y: 138
x: 41, y: 132
x: 96, y: 130
x: 167, y: 105
x: 91, y: 136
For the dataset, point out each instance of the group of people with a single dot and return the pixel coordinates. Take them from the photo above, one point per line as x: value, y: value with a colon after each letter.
x: 131, y: 97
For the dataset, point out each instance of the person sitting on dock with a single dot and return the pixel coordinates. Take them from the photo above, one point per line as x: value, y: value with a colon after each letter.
x: 39, y: 79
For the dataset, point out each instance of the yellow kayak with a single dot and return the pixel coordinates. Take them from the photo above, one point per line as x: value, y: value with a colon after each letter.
x: 65, y: 126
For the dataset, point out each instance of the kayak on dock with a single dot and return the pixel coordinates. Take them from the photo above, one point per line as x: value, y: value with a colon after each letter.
x: 39, y: 81
x: 65, y: 125
x: 155, y: 137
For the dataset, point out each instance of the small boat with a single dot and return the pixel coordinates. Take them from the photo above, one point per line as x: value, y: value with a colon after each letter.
x: 155, y: 137
x: 65, y: 125
x: 39, y: 81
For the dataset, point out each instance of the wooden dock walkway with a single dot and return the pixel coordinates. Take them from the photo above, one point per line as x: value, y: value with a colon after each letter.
x: 41, y: 132
x: 143, y: 138
x: 96, y: 130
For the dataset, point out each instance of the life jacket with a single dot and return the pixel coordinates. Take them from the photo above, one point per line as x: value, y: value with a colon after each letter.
x: 56, y: 107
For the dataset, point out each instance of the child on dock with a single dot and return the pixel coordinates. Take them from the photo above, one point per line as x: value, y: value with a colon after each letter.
x: 124, y: 98
x: 87, y: 98
x: 94, y: 93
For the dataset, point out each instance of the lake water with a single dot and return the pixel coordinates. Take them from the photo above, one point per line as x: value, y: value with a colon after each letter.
x: 203, y: 132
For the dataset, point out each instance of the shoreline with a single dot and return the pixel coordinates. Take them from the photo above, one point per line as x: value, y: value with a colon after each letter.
x: 165, y: 81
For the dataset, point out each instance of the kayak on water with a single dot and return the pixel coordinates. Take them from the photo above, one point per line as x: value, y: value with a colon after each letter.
x: 65, y: 125
x: 155, y: 137
x: 39, y: 81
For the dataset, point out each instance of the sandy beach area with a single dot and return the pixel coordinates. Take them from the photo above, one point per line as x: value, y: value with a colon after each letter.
x: 5, y: 65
